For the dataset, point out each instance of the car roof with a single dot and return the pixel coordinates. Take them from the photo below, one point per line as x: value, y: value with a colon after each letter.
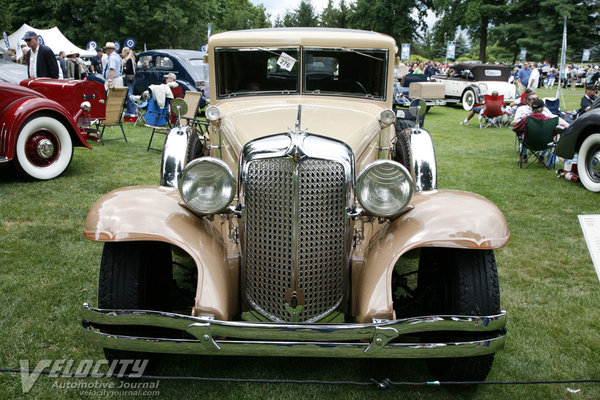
x: 183, y: 53
x: 320, y: 37
x: 482, y: 72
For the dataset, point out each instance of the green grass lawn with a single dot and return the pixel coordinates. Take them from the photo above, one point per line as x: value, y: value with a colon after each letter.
x: 547, y: 280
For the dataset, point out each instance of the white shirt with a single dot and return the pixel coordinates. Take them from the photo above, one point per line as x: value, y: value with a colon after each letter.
x: 534, y: 79
x: 33, y: 63
x: 524, y: 111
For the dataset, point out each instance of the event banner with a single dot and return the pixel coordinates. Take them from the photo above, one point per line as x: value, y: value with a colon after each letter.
x: 451, y: 50
x: 523, y: 54
x: 586, y: 55
x: 405, y: 53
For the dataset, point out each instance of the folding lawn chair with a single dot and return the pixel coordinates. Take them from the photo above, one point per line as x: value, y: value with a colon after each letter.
x: 113, y: 114
x: 193, y: 101
x: 158, y: 119
x: 493, y: 113
x: 538, y: 139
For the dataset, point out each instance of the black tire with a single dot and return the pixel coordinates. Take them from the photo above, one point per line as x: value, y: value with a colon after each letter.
x: 44, y: 148
x: 588, y: 166
x: 465, y: 282
x: 468, y: 99
x: 195, y: 148
x: 403, y: 148
x: 135, y: 275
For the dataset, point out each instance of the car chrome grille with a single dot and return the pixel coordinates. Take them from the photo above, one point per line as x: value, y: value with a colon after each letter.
x: 295, y: 233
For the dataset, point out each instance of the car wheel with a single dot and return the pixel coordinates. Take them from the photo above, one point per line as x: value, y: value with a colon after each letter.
x: 403, y: 148
x: 135, y: 275
x: 44, y: 149
x: 464, y: 282
x: 195, y: 148
x: 588, y: 163
x: 468, y: 99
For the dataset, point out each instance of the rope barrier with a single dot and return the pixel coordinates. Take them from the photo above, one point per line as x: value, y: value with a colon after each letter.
x: 384, y: 384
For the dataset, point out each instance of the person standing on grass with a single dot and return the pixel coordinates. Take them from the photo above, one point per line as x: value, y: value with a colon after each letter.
x: 523, y: 75
x: 41, y: 61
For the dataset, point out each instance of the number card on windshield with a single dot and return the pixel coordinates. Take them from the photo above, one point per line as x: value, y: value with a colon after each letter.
x: 286, y: 61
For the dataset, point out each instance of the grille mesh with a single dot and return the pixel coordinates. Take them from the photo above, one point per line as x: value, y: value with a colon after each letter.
x: 269, y: 192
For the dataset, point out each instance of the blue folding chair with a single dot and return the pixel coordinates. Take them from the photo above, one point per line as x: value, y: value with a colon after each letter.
x: 157, y: 118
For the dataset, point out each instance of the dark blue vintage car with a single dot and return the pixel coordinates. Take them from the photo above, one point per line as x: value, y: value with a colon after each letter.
x: 188, y: 65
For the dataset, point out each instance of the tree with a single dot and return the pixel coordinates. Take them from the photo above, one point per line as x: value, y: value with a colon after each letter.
x: 393, y: 17
x: 304, y: 15
x: 335, y: 17
x: 474, y: 15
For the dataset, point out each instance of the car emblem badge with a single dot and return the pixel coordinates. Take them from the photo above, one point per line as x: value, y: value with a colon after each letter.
x: 294, y: 304
x: 296, y: 157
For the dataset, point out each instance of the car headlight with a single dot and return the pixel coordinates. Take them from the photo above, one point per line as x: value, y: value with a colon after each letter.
x: 384, y: 188
x: 212, y: 113
x: 387, y: 117
x: 207, y: 185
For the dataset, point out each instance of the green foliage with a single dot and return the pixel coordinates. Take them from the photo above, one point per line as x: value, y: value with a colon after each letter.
x: 393, y: 17
x: 304, y: 15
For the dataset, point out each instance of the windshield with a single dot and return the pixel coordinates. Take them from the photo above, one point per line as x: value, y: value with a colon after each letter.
x: 346, y: 72
x: 256, y: 71
x: 340, y: 72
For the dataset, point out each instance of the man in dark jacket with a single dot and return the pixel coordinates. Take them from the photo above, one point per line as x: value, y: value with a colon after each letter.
x: 41, y: 60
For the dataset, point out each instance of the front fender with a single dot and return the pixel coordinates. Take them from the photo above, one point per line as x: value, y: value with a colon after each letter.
x: 575, y: 134
x: 13, y: 118
x: 150, y: 213
x: 446, y: 218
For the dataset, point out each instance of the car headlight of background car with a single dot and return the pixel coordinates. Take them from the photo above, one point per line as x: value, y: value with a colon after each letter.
x: 207, y: 185
x: 384, y: 188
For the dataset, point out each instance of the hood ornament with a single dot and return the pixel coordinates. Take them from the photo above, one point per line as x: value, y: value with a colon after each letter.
x: 297, y: 137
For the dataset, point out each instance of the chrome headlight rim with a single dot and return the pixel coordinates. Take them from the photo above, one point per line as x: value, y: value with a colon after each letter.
x: 212, y: 113
x: 366, y: 203
x: 387, y: 117
x: 188, y: 198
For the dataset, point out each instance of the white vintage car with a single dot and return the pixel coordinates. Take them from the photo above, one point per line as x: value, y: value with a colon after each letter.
x: 311, y: 225
x: 467, y: 83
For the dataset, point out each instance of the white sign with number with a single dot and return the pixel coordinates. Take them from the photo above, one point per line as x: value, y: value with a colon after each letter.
x: 286, y: 61
x: 590, y: 225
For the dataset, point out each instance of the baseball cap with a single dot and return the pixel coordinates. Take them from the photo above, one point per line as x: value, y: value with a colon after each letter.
x: 29, y: 35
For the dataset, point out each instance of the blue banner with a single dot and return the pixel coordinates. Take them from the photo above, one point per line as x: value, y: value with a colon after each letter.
x: 91, y: 46
x: 117, y: 46
x: 130, y: 42
x: 6, y: 40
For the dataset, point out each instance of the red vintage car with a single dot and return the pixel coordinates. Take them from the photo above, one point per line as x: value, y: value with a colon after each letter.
x: 37, y: 134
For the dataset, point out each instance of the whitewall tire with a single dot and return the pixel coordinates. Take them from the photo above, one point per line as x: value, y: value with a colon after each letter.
x: 44, y: 149
x: 588, y: 163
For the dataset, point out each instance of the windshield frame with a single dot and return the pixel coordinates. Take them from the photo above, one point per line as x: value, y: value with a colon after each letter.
x: 301, y: 55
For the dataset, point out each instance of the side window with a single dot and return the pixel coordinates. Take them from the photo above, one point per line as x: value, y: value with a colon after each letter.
x: 144, y: 62
x: 163, y: 62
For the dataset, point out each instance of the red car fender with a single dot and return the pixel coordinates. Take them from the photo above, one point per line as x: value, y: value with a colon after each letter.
x: 15, y: 116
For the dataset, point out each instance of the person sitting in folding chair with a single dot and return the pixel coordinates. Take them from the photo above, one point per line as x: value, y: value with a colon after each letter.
x: 476, y: 110
x: 538, y: 145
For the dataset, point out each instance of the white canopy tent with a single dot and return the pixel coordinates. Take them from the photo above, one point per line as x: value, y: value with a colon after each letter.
x: 52, y: 37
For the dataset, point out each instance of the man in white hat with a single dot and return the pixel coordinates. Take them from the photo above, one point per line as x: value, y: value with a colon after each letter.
x: 113, y: 73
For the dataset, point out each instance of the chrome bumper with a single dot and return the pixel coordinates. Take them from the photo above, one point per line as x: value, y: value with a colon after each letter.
x: 375, y: 340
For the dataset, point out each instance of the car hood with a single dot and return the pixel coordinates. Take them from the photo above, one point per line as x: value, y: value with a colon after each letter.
x: 353, y: 122
x: 12, y: 72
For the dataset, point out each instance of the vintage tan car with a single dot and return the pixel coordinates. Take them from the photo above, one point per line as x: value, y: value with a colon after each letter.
x: 308, y: 226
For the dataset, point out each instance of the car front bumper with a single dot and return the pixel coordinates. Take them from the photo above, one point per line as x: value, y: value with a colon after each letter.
x: 379, y: 339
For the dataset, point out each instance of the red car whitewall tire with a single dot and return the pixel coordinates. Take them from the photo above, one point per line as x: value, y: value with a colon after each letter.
x: 44, y: 149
